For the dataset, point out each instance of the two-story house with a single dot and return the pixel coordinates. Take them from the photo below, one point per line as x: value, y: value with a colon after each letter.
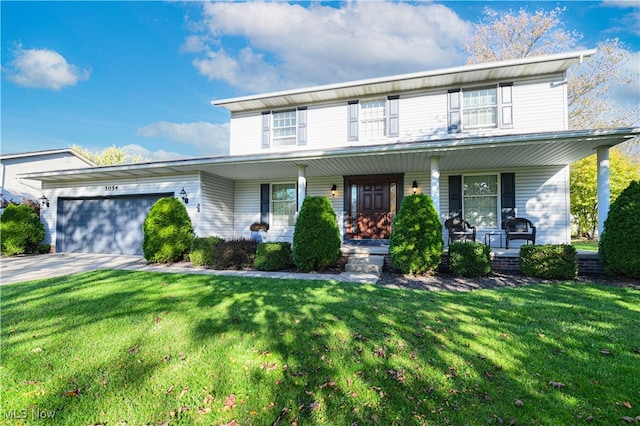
x: 484, y: 141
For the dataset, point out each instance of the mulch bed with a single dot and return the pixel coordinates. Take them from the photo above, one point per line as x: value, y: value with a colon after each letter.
x: 445, y: 281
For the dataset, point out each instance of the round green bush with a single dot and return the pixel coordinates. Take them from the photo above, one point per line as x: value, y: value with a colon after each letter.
x: 316, y: 238
x: 168, y: 233
x: 550, y: 261
x: 469, y: 259
x: 620, y: 241
x: 416, y: 245
x: 274, y: 256
x: 202, y: 248
x: 21, y: 230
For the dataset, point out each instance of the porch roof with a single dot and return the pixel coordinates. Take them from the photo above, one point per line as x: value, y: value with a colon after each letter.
x: 455, y: 153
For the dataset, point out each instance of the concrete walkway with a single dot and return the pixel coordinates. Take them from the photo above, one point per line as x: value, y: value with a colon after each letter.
x: 18, y: 269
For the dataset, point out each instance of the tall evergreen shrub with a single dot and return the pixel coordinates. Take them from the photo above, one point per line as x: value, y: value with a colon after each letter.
x: 316, y: 239
x: 620, y: 241
x: 168, y: 233
x: 21, y: 230
x: 416, y: 242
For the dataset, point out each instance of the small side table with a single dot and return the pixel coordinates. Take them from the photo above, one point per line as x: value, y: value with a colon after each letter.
x: 488, y: 235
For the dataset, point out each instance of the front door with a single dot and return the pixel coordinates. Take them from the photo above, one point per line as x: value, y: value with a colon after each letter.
x: 372, y: 202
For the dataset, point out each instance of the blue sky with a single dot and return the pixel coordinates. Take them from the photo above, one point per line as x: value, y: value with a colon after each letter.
x: 142, y: 75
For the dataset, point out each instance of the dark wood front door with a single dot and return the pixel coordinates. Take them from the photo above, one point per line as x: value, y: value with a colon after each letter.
x: 372, y: 206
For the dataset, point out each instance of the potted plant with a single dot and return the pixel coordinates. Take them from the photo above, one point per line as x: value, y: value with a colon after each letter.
x: 259, y: 231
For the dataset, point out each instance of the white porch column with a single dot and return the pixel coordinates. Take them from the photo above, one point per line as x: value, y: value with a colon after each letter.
x: 604, y: 188
x: 302, y: 185
x: 435, y: 182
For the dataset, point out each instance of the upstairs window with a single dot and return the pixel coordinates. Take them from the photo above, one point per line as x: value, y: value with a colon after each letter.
x: 480, y: 108
x: 372, y: 119
x: 284, y: 128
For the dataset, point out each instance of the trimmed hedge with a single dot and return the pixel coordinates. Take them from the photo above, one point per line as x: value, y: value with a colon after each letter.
x: 21, y: 230
x: 235, y: 254
x: 551, y: 261
x: 316, y: 239
x: 469, y: 259
x: 620, y: 241
x: 201, y: 253
x: 168, y: 232
x: 274, y: 256
x: 416, y: 245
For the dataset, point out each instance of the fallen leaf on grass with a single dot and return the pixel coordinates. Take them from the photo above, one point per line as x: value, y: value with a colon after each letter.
x: 74, y: 392
x: 605, y: 351
x: 519, y: 403
x: 314, y: 406
x: 557, y: 385
x: 170, y: 390
x: 183, y: 391
x: 134, y: 349
x: 166, y: 358
x: 627, y: 404
x: 628, y: 419
x: 380, y: 352
x: 231, y: 423
x: 489, y: 374
x: 230, y: 402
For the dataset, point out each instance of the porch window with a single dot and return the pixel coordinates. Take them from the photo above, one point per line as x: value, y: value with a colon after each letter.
x: 480, y: 200
x: 283, y: 204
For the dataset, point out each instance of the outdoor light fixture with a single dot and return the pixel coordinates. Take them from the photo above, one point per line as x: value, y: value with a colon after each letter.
x: 183, y: 195
x: 44, y: 201
x: 414, y: 186
x: 333, y: 190
x: 198, y: 207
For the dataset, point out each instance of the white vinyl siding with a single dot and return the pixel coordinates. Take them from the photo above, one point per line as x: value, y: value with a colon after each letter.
x: 216, y: 207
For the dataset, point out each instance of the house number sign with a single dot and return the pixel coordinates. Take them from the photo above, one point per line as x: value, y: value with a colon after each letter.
x: 111, y: 188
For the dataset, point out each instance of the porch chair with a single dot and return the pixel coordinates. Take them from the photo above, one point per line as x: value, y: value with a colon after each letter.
x: 519, y: 228
x: 459, y: 230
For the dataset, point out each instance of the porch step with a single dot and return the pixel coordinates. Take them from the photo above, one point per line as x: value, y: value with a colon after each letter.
x: 364, y: 263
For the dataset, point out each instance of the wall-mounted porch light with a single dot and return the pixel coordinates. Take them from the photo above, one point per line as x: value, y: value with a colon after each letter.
x: 414, y: 186
x: 334, y: 188
x: 44, y: 201
x: 183, y: 195
x: 198, y: 207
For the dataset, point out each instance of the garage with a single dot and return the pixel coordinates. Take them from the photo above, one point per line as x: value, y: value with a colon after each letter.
x: 110, y: 225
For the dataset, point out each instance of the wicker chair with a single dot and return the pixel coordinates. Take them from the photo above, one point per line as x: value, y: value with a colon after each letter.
x: 519, y: 228
x: 459, y: 230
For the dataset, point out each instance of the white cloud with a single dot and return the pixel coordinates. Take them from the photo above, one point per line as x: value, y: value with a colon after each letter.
x: 44, y: 69
x: 288, y: 45
x: 207, y: 138
x: 146, y: 155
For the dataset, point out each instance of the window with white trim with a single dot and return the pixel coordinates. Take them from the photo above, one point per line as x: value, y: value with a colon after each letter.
x: 284, y: 128
x: 373, y: 119
x: 480, y: 200
x: 283, y: 204
x: 480, y: 108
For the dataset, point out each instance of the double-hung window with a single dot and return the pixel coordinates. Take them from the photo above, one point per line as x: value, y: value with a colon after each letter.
x: 373, y: 119
x: 480, y: 200
x: 284, y: 128
x: 283, y: 204
x: 480, y: 108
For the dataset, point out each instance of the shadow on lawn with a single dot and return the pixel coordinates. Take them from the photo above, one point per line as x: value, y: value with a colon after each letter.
x: 342, y: 353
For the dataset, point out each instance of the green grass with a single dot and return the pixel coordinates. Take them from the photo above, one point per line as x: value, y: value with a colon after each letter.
x: 145, y: 348
x: 584, y: 244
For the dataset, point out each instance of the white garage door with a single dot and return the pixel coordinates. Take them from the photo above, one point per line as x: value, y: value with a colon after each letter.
x: 103, y: 225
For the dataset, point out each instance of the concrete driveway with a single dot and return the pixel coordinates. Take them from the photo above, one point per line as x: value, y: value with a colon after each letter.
x: 18, y: 269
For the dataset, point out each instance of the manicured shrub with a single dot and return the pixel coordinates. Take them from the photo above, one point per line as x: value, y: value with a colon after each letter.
x: 316, y: 239
x: 469, y: 259
x: 168, y: 232
x: 552, y: 261
x: 234, y: 254
x: 201, y: 253
x: 273, y: 256
x: 20, y: 230
x: 416, y: 242
x: 620, y: 242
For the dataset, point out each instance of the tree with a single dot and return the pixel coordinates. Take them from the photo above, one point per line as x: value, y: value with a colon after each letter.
x: 522, y: 34
x: 21, y: 229
x: 316, y: 237
x: 583, y: 188
x: 108, y: 156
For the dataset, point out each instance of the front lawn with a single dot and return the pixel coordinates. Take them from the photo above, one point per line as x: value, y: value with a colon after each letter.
x: 115, y: 347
